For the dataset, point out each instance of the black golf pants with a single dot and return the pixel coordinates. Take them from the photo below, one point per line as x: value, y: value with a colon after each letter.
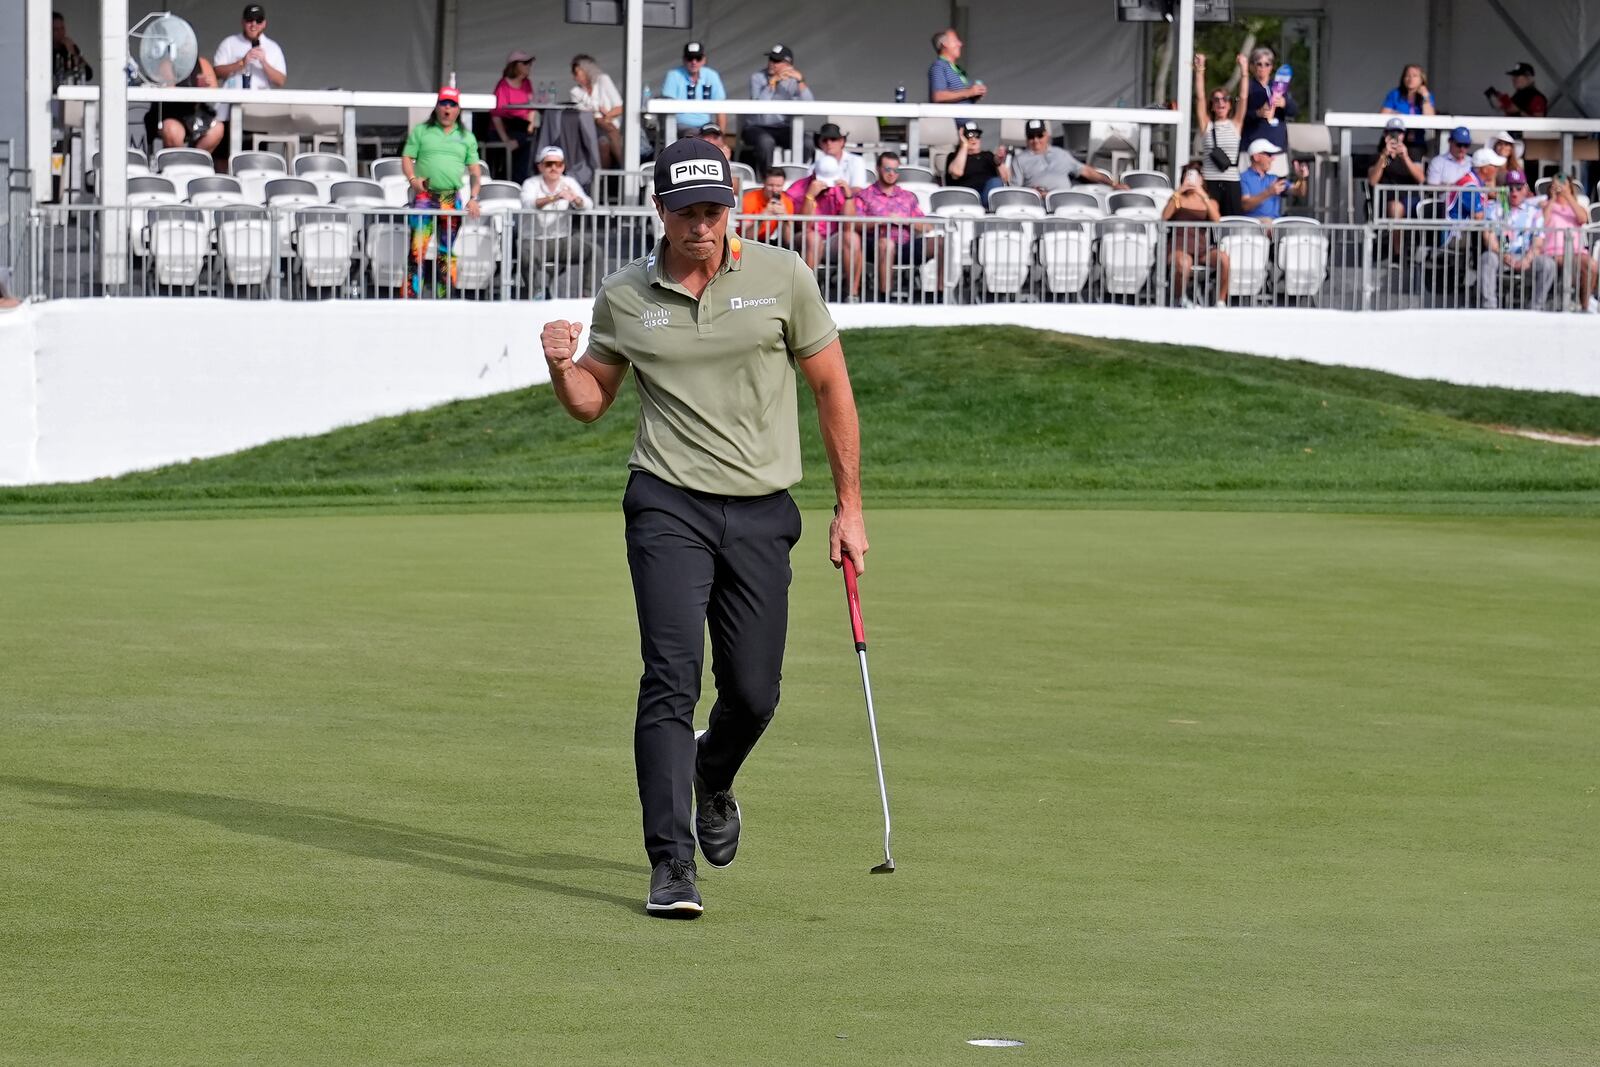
x: 701, y: 561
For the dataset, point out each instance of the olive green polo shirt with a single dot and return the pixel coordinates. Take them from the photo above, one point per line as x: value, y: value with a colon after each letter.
x: 441, y: 158
x: 717, y: 396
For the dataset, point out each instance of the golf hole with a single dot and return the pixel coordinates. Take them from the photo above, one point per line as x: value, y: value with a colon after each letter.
x: 994, y: 1042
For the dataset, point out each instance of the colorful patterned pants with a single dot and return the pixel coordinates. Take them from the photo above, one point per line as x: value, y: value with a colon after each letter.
x: 441, y: 230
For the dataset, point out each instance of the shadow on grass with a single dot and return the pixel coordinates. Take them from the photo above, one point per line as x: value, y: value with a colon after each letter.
x: 352, y: 835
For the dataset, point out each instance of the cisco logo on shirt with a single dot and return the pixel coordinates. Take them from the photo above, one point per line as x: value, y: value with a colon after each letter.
x: 739, y: 303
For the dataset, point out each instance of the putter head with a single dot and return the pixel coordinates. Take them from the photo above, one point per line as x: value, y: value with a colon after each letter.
x: 886, y: 867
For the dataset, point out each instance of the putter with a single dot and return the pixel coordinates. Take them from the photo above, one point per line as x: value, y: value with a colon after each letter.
x: 853, y: 599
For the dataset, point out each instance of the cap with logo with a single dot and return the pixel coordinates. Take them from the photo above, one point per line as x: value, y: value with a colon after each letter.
x: 1395, y: 125
x: 1523, y: 69
x: 1486, y: 157
x: 254, y: 13
x: 971, y: 129
x: 1262, y: 146
x: 1515, y: 178
x: 694, y: 50
x: 779, y: 53
x: 549, y: 152
x: 711, y: 129
x: 1036, y: 127
x: 450, y: 95
x: 1460, y: 135
x: 692, y: 171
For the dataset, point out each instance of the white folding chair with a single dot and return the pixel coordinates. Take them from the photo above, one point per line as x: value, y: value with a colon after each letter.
x: 325, y: 244
x: 1127, y: 255
x: 1249, y: 249
x: 1004, y: 255
x: 1066, y: 252
x: 1302, y: 256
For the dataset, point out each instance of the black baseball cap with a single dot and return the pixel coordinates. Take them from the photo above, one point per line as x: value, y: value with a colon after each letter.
x: 711, y: 129
x: 253, y: 13
x: 1523, y: 69
x: 1036, y: 126
x: 971, y: 129
x: 779, y: 52
x: 694, y: 50
x: 830, y: 131
x: 692, y: 171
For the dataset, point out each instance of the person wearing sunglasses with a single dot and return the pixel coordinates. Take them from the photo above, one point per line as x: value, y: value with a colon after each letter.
x: 440, y: 156
x: 1045, y: 167
x: 1217, y: 121
x: 1264, y: 112
x: 249, y: 59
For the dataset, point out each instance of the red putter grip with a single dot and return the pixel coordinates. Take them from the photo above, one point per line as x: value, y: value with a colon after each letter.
x: 853, y: 599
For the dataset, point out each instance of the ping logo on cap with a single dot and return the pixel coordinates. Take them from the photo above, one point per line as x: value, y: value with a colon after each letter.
x: 694, y: 170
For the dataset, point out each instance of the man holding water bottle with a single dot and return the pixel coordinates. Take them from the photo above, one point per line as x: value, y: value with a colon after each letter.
x: 947, y: 82
x: 1269, y: 107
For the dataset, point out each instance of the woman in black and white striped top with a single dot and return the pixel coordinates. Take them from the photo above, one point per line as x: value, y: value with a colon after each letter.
x: 1218, y: 120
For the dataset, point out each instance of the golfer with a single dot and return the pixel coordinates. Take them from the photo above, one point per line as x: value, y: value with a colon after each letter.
x: 714, y: 328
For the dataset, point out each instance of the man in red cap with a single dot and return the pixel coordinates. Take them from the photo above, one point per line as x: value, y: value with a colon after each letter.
x: 439, y: 158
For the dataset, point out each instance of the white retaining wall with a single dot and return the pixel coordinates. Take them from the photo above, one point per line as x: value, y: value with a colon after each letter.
x: 92, y: 388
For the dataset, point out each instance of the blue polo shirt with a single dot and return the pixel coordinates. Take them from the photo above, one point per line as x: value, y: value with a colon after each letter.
x: 676, y: 87
x: 944, y: 74
x: 1253, y: 184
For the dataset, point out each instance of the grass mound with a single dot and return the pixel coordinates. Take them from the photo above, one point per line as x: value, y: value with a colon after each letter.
x: 998, y: 416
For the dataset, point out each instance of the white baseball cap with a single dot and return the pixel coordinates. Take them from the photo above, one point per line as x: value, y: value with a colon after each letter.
x: 1487, y: 157
x: 551, y: 151
x: 1261, y: 144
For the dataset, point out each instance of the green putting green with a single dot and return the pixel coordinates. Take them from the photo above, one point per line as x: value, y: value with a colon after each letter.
x: 1168, y: 788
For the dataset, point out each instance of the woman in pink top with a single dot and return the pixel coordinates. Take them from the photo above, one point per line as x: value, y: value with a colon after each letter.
x: 515, y: 125
x: 1563, y: 220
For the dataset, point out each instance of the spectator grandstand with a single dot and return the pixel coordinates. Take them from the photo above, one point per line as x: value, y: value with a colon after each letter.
x: 1085, y: 213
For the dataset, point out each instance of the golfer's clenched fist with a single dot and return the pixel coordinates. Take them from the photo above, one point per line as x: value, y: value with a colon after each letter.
x: 560, y: 340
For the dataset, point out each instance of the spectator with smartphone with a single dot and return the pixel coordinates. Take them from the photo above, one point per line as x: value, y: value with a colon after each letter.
x: 250, y: 59
x: 947, y: 82
x: 1261, y: 191
x: 1394, y: 166
x: 774, y: 208
x: 975, y: 166
x: 1266, y: 111
x: 1191, y: 244
x: 1525, y: 98
x: 1516, y: 246
x: 778, y: 81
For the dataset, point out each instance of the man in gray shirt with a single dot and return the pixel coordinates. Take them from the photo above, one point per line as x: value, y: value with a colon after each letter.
x: 1045, y: 168
x: 779, y: 81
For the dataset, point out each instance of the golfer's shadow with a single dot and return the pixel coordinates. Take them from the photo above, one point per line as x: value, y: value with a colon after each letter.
x: 352, y: 835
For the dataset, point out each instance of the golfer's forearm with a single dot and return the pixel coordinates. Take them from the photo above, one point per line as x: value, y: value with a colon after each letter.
x: 580, y: 393
x: 841, y: 439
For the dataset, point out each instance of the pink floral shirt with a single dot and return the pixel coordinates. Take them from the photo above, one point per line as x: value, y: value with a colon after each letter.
x: 896, y: 203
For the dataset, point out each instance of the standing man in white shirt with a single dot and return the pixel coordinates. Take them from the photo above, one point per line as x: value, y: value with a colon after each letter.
x: 250, y: 59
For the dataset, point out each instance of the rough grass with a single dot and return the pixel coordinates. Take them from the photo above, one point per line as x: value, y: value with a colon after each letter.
x: 983, y: 416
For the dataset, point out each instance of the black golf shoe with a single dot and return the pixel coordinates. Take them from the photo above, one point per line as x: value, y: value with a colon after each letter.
x: 672, y: 891
x: 716, y: 823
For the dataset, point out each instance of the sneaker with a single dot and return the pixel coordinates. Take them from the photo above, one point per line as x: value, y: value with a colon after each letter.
x: 716, y: 823
x: 672, y: 891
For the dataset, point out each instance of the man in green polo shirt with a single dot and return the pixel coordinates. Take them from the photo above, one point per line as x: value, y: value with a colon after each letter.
x: 438, y: 155
x: 714, y: 328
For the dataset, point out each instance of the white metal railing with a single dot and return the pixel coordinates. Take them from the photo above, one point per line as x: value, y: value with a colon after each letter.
x: 303, y: 251
x: 1145, y: 120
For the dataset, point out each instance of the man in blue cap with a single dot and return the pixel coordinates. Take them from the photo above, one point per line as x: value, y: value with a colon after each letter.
x: 714, y: 329
x: 1455, y: 163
